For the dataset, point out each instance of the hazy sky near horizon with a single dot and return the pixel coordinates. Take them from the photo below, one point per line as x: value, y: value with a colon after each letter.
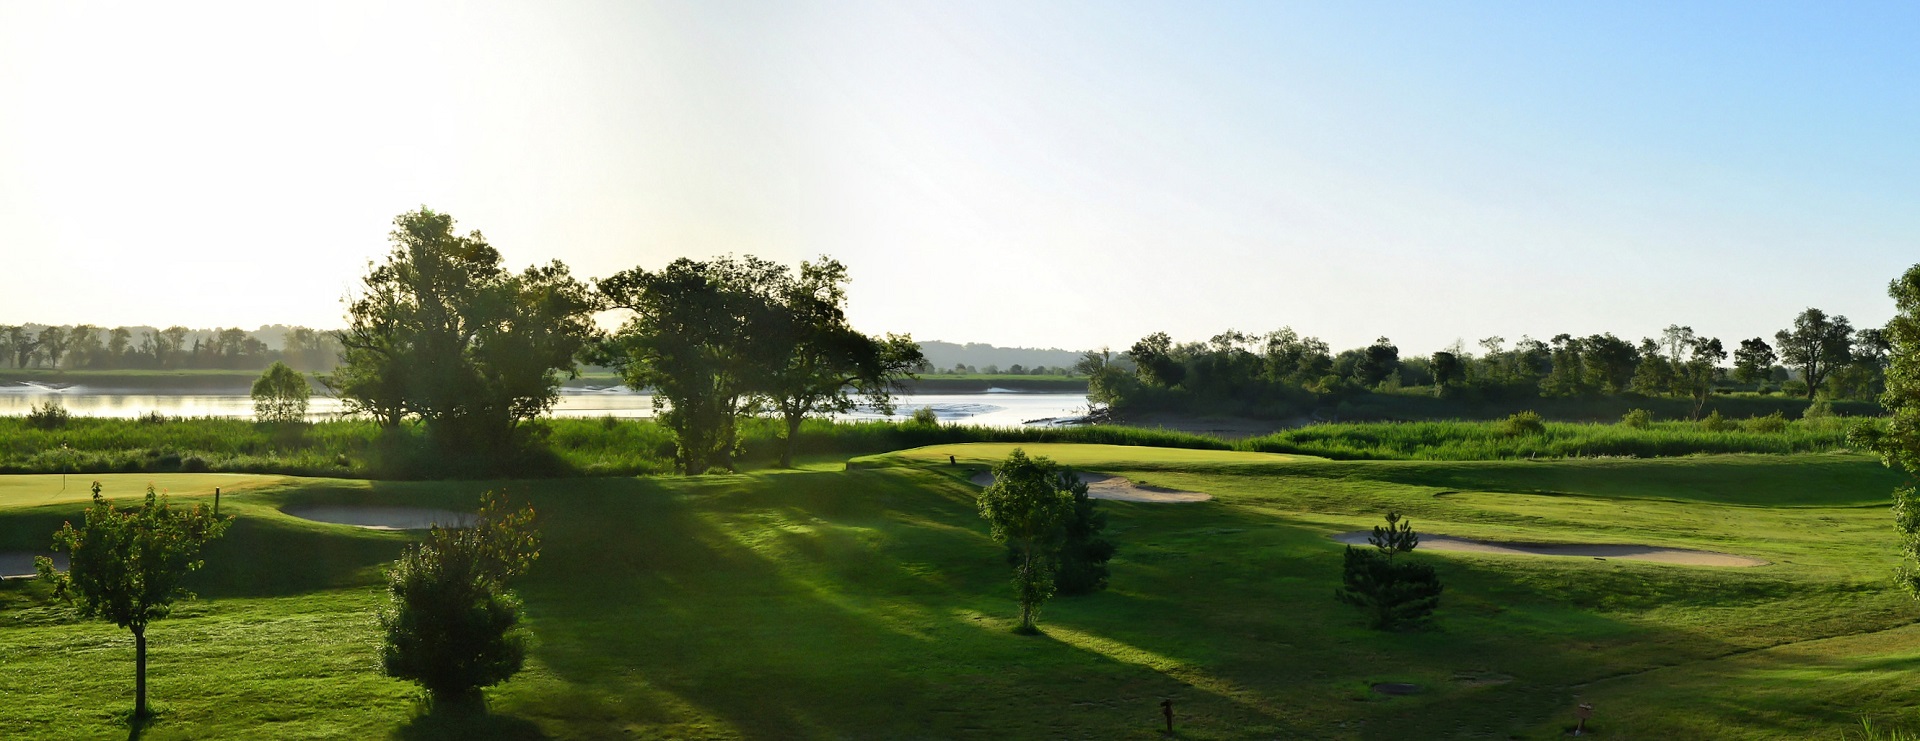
x: 1045, y: 174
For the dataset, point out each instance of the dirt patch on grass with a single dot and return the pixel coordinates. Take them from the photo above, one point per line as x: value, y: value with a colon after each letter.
x: 1117, y: 488
x: 19, y: 564
x: 382, y: 518
x: 1570, y: 550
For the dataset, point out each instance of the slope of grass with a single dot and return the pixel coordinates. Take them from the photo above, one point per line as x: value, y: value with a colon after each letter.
x: 1459, y: 441
x: 869, y: 603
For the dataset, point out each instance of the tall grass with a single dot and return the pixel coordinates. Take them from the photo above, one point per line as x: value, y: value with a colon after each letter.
x: 1497, y: 440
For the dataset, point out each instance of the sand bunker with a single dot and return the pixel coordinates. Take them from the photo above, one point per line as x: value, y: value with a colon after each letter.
x: 19, y: 564
x: 383, y: 518
x: 1577, y: 550
x: 1117, y: 488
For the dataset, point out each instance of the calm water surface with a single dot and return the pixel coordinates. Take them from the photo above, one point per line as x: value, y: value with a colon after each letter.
x: 995, y: 408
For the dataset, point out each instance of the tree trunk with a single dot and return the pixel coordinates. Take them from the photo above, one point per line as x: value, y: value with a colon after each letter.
x: 786, y: 449
x: 140, y: 672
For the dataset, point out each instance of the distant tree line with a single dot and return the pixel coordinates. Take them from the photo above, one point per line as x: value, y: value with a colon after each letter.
x: 87, y: 347
x: 960, y: 369
x: 1283, y: 372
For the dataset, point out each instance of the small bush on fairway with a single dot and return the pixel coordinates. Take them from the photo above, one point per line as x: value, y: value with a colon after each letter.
x: 451, y: 625
x: 1394, y: 593
x: 1771, y: 424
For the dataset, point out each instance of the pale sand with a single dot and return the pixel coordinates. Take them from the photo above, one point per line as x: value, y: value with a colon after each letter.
x: 19, y: 564
x: 1117, y: 488
x: 1573, y: 550
x: 382, y: 518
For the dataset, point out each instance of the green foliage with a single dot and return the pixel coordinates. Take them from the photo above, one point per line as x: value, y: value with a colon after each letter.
x: 280, y: 395
x: 1523, y: 423
x: 1393, y: 592
x: 1716, y: 423
x: 48, y: 415
x: 1898, y: 443
x: 924, y: 417
x: 127, y: 566
x: 1638, y: 419
x: 1816, y: 344
x: 1026, y: 509
x: 1771, y: 424
x: 1470, y: 441
x: 443, y: 333
x: 450, y: 624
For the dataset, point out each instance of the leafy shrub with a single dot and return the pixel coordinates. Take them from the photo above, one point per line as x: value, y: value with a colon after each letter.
x: 1523, y: 423
x: 49, y: 415
x: 1716, y: 423
x: 925, y: 417
x: 1794, y: 388
x: 1638, y: 419
x: 1774, y: 423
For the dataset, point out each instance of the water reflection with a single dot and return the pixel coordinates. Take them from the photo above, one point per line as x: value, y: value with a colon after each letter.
x: 999, y: 409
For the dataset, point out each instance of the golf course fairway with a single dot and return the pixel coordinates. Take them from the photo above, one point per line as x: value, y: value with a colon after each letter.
x: 870, y: 603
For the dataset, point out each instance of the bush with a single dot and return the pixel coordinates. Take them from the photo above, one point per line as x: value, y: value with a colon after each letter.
x: 1794, y: 388
x: 1523, y: 423
x: 450, y: 623
x: 49, y: 415
x: 1638, y: 419
x: 1774, y: 423
x: 1716, y: 423
x: 925, y: 417
x: 1393, y: 592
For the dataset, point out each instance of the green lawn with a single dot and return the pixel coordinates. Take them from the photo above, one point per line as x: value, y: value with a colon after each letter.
x: 869, y: 603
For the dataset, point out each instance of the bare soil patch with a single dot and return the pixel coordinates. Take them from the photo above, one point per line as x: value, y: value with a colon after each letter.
x: 1117, y: 488
x: 382, y: 518
x: 1573, y: 550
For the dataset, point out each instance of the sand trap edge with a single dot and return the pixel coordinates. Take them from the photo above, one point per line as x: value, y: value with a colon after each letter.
x: 1117, y: 489
x: 1604, y: 551
x: 375, y: 517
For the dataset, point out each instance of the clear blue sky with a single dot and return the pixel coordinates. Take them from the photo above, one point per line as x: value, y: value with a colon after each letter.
x: 1065, y: 174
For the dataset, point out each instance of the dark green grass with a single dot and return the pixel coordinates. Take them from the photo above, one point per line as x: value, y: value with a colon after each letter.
x: 869, y: 603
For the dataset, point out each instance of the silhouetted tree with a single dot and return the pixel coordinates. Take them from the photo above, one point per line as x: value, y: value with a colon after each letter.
x: 1753, y: 361
x: 280, y: 395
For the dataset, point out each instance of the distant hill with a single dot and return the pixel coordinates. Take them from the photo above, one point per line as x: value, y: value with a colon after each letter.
x: 945, y: 355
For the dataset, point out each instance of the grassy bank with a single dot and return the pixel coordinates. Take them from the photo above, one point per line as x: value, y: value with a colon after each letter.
x: 610, y: 447
x: 555, y: 447
x: 1472, y: 441
x: 870, y: 603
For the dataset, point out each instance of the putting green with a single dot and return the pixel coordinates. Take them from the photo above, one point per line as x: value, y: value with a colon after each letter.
x: 1081, y: 454
x: 34, y: 490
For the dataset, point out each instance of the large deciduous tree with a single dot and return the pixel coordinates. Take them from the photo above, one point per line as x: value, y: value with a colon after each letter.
x: 1898, y: 443
x: 1753, y: 361
x: 1815, y: 345
x: 444, y: 332
x: 821, y: 363
x: 699, y: 337
x: 126, y: 566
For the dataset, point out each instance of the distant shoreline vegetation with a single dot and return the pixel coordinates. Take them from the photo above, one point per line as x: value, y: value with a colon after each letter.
x: 623, y: 447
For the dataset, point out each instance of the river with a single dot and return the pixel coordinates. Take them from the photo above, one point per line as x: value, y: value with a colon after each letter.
x: 996, y: 408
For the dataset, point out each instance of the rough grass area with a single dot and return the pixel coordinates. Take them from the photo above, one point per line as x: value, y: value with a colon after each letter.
x: 869, y: 603
x: 1466, y: 441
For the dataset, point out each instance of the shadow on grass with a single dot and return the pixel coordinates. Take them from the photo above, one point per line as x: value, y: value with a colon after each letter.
x: 466, y: 724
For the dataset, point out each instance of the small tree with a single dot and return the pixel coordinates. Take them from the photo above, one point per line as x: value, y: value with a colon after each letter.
x: 1083, y: 553
x: 1393, y: 592
x: 125, y: 566
x: 451, y: 624
x: 1753, y: 362
x: 1816, y: 345
x: 280, y: 394
x: 1026, y: 509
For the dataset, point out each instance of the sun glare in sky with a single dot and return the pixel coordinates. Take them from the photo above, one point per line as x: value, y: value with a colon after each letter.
x: 1057, y: 174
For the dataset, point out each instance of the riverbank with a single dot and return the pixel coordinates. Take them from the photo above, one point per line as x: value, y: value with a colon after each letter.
x: 204, y: 381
